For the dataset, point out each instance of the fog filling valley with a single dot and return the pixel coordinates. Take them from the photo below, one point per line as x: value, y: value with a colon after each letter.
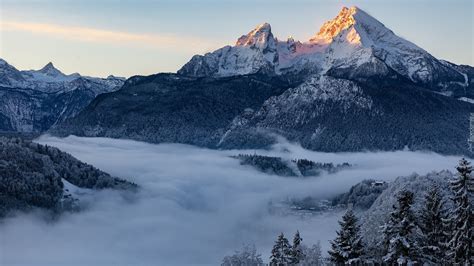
x: 194, y: 205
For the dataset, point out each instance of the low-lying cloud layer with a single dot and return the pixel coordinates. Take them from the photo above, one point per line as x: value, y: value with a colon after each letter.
x: 195, y: 206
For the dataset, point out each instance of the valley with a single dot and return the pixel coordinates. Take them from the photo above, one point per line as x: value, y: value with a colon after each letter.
x: 350, y: 147
x: 189, y: 195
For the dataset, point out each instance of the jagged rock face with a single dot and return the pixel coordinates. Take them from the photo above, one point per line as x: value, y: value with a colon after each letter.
x: 34, y: 100
x: 332, y: 28
x: 358, y: 38
x: 252, y: 53
x: 259, y: 38
x: 353, y: 44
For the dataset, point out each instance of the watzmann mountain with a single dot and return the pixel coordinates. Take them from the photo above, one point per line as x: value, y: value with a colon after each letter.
x: 353, y: 45
x: 355, y: 85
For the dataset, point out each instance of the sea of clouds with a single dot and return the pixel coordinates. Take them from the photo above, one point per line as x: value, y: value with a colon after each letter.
x: 194, y: 207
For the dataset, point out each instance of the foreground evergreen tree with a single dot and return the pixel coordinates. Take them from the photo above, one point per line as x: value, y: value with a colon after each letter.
x: 400, y: 242
x: 281, y: 252
x: 461, y: 250
x: 313, y: 255
x: 348, y: 244
x: 297, y: 254
x: 248, y: 256
x: 434, y: 228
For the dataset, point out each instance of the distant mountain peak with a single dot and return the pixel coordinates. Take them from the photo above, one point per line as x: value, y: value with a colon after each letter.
x: 50, y: 70
x: 261, y: 37
x: 49, y: 65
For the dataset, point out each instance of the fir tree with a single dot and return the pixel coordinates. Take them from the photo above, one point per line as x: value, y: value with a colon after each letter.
x: 433, y: 225
x: 461, y: 250
x: 281, y: 252
x: 399, y: 233
x: 313, y: 255
x: 348, y: 244
x: 247, y: 256
x: 296, y: 250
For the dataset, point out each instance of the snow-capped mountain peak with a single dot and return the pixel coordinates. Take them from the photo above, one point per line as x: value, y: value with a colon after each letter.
x: 346, y: 18
x: 253, y: 52
x: 352, y: 45
x: 332, y: 28
x: 50, y: 79
x: 359, y: 44
x: 261, y: 37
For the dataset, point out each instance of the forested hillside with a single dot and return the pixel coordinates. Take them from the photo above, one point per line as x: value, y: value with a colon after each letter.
x: 31, y: 175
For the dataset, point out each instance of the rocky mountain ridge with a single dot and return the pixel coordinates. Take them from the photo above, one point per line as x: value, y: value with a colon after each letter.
x: 353, y: 45
x: 34, y: 100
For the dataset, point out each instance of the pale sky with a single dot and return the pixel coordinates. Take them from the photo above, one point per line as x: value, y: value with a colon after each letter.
x: 141, y: 37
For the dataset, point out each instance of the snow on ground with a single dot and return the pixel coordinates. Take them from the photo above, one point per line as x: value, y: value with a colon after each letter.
x: 465, y: 99
x: 195, y: 205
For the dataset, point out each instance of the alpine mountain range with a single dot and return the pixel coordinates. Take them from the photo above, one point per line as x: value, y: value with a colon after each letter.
x: 353, y: 86
x: 34, y: 100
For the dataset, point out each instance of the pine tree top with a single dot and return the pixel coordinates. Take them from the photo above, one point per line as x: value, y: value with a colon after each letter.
x: 348, y: 243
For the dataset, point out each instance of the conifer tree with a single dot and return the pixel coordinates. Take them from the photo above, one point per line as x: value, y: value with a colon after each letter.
x: 433, y: 225
x: 400, y: 242
x: 296, y: 250
x: 348, y: 244
x: 281, y: 252
x: 461, y: 250
x: 247, y: 256
x: 313, y: 255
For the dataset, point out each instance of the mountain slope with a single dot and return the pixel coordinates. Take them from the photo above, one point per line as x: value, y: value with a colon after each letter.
x: 33, y: 175
x: 361, y: 39
x: 354, y: 86
x: 34, y: 100
x: 329, y: 114
x: 379, y: 212
x: 172, y: 108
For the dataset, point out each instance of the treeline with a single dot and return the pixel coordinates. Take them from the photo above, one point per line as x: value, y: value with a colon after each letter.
x: 296, y: 167
x: 311, y: 168
x: 31, y: 175
x: 283, y: 253
x: 434, y: 236
x: 362, y: 195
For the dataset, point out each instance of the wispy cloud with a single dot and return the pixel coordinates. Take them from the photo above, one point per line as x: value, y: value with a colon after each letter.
x: 87, y: 34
